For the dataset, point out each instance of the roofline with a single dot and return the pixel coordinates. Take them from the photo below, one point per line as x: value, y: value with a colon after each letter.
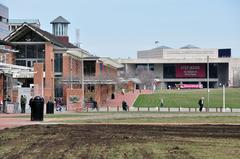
x: 33, y: 29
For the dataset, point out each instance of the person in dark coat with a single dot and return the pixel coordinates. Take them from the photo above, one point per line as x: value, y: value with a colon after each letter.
x: 95, y: 106
x: 201, y: 104
x: 124, y: 105
x: 23, y: 103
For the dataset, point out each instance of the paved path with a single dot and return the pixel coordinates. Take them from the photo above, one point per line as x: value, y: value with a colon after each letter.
x: 129, y: 97
x: 10, y: 120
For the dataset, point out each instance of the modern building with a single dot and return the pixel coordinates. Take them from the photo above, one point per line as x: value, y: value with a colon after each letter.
x: 3, y: 21
x: 187, y: 65
x: 16, y: 23
x: 60, y: 68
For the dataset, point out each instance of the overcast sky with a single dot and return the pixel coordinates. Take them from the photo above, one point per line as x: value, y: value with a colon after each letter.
x: 119, y: 28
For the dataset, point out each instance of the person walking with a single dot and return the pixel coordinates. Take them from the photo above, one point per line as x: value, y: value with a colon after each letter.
x: 161, y: 102
x: 201, y: 104
x: 23, y: 103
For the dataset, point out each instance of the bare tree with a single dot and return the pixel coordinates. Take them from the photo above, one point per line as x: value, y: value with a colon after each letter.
x: 145, y: 76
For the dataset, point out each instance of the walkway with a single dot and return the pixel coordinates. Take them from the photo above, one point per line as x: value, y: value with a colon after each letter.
x: 129, y: 97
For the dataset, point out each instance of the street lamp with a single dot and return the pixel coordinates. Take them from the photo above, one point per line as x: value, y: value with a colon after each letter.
x: 208, y: 90
x: 224, y: 109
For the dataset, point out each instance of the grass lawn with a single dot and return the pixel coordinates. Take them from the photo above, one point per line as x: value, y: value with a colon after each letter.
x: 139, y: 117
x: 189, y: 98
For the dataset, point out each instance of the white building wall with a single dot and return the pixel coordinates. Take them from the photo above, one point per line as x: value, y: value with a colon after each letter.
x: 234, y: 72
x: 190, y: 53
x: 178, y: 53
x: 130, y: 68
x: 154, y: 53
x: 158, y: 70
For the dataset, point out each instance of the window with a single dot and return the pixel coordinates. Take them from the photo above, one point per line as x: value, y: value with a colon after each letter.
x: 58, y: 87
x: 169, y: 71
x: 22, y: 51
x: 41, y: 51
x: 89, y: 68
x: 31, y: 51
x: 58, y: 62
x: 151, y: 67
x: 21, y: 62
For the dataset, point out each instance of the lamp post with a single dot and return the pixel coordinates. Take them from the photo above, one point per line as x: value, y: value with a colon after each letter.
x: 208, y: 90
x: 83, y: 102
x: 224, y: 109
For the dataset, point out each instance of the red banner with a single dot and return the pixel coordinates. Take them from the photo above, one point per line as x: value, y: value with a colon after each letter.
x: 190, y: 86
x: 190, y: 71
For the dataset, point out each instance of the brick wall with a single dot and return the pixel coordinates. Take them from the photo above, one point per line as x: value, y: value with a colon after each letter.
x: 49, y: 71
x: 38, y: 79
x: 77, y: 105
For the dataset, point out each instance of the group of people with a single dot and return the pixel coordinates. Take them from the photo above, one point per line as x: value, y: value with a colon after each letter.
x: 59, y: 103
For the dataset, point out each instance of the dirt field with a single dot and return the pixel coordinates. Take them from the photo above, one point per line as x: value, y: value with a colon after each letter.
x: 120, y: 141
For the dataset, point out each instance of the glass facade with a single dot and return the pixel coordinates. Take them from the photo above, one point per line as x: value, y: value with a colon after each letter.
x: 30, y: 54
x: 149, y: 67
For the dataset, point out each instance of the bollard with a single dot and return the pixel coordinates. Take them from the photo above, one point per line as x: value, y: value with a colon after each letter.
x: 138, y: 109
x: 179, y: 109
x: 148, y: 109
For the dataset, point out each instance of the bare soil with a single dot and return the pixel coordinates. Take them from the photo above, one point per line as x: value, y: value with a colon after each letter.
x: 102, y: 141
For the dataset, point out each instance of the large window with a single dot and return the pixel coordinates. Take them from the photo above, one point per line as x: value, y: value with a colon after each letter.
x: 90, y: 68
x: 29, y: 54
x: 149, y: 67
x: 169, y: 71
x: 58, y: 87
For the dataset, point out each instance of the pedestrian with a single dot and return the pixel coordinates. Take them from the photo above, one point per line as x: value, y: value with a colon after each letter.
x: 201, y: 104
x: 123, y: 91
x: 58, y: 104
x: 161, y: 102
x: 1, y: 104
x: 23, y: 103
x: 124, y: 105
x: 95, y: 106
x: 30, y: 103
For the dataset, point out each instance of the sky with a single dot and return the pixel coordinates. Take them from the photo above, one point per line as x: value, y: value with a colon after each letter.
x: 120, y: 28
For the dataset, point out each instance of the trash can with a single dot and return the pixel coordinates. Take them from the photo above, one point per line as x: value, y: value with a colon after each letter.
x: 37, y: 109
x: 50, y: 107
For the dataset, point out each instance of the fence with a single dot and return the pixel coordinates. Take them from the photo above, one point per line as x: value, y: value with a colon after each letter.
x: 161, y: 109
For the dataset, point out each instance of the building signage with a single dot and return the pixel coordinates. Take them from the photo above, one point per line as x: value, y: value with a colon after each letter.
x: 190, y: 71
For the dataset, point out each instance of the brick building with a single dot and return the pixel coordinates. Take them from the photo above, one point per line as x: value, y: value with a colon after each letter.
x: 9, y: 85
x: 60, y: 68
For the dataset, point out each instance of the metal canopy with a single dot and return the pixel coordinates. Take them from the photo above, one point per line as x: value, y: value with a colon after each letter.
x: 16, y: 71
